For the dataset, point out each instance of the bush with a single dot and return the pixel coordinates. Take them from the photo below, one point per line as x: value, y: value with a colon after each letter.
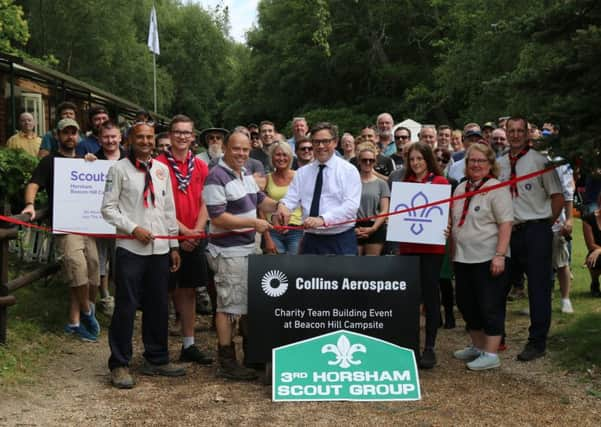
x: 16, y: 167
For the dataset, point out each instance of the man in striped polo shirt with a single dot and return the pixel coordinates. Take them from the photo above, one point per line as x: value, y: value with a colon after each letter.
x: 232, y: 197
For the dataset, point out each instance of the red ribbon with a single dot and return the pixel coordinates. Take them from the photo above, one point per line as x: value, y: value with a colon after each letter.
x: 290, y: 227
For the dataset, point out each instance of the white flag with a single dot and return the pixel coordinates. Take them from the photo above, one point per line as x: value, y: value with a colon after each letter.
x: 153, y: 33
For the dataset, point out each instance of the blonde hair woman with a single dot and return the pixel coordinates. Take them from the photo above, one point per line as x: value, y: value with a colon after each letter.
x: 375, y: 200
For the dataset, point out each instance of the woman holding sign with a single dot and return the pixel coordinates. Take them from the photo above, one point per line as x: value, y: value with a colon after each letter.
x: 423, y: 168
x: 481, y: 234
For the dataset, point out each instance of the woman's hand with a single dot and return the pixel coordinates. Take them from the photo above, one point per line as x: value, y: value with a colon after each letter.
x: 497, y: 265
x: 591, y: 260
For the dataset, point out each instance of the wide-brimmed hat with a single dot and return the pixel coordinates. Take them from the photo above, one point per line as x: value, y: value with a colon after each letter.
x: 203, y: 134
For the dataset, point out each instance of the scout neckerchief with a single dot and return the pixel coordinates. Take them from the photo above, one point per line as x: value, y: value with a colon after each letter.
x: 144, y: 167
x: 469, y: 189
x: 513, y: 160
x: 182, y: 181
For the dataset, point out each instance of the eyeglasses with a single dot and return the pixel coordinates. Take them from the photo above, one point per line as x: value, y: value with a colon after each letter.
x: 477, y: 161
x: 305, y: 149
x: 401, y: 137
x: 367, y: 161
x: 321, y: 141
x: 184, y: 133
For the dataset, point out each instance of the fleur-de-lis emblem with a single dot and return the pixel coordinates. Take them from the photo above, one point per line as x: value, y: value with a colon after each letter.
x: 344, y: 352
x: 418, y: 216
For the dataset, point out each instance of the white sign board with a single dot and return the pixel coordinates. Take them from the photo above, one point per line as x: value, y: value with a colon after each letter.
x: 426, y: 225
x: 78, y: 192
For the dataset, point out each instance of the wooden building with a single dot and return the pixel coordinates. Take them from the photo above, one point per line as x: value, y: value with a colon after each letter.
x: 28, y: 86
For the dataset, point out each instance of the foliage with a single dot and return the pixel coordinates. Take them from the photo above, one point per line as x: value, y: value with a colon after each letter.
x: 16, y: 167
x: 106, y: 46
x: 13, y: 27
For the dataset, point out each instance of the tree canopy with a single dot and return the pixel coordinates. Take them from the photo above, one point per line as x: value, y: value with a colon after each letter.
x: 437, y: 61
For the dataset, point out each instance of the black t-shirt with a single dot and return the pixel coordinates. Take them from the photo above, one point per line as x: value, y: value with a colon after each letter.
x: 100, y: 154
x: 591, y: 220
x: 43, y: 175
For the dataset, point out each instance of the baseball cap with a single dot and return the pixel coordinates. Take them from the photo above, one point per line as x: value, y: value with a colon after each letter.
x: 490, y: 125
x: 65, y: 123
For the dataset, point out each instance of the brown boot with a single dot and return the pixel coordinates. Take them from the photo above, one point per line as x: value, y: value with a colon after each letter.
x: 229, y: 367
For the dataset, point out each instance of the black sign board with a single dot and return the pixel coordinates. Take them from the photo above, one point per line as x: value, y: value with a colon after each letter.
x: 291, y: 298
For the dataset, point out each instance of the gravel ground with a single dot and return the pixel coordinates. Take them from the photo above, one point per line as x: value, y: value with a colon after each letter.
x: 75, y: 390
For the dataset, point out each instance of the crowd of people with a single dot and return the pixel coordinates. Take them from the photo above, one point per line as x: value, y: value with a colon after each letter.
x: 317, y: 192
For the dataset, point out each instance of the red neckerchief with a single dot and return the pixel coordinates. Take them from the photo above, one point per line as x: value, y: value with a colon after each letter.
x: 426, y: 180
x: 148, y: 185
x: 466, y: 202
x: 513, y: 160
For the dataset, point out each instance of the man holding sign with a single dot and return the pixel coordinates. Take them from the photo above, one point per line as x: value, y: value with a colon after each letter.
x: 78, y: 253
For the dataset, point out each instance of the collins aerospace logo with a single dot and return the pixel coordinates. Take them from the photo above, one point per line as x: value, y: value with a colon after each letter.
x: 274, y: 283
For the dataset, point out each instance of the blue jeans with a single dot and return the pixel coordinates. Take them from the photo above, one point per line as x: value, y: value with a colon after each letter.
x: 287, y: 243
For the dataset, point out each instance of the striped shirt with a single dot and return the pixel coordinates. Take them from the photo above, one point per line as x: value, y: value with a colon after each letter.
x: 226, y: 192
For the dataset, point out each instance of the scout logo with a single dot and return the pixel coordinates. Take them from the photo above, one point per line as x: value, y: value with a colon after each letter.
x: 361, y: 368
x: 344, y: 352
x: 274, y: 283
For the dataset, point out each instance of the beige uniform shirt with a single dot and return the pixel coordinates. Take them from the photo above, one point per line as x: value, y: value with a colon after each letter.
x: 476, y: 240
x: 534, y: 195
x: 21, y: 141
x: 123, y: 206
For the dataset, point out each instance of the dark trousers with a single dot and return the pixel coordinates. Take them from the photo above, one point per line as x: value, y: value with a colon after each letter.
x: 344, y: 243
x: 140, y: 281
x: 429, y: 270
x: 481, y: 297
x: 531, y: 248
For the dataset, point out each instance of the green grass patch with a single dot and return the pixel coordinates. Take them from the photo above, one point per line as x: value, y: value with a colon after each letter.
x: 34, y: 332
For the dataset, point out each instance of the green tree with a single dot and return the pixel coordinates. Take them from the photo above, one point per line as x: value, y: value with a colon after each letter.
x: 13, y: 27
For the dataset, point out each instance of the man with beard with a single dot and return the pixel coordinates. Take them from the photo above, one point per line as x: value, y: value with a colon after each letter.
x: 212, y: 138
x: 384, y: 123
x: 77, y: 252
x: 91, y: 144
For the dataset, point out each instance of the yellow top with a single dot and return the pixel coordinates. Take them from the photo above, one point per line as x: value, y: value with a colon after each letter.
x: 20, y: 141
x: 276, y: 193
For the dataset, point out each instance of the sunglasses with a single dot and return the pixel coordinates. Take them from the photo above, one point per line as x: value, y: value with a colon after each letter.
x: 305, y: 149
x: 367, y: 161
x: 442, y: 160
x: 401, y: 137
x: 143, y: 122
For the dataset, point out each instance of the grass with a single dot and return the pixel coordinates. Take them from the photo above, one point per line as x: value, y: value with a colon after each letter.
x: 35, y: 326
x: 34, y: 330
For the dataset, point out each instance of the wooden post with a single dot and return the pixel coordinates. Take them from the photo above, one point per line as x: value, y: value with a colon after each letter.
x: 3, y: 288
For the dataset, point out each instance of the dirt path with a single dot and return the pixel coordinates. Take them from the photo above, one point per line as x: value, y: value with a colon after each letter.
x: 75, y: 390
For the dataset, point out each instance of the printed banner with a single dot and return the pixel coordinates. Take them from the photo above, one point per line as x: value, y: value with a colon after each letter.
x: 78, y: 192
x: 344, y: 365
x: 303, y: 296
x: 425, y: 225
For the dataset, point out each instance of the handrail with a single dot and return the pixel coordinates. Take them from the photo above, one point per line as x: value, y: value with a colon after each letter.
x: 10, y: 231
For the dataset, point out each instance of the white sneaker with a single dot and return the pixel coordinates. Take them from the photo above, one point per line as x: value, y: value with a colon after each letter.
x: 483, y: 362
x: 566, y: 306
x: 468, y: 353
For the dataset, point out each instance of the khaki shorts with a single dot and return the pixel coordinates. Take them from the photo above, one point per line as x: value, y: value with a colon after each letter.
x: 231, y: 283
x: 561, y: 253
x: 79, y: 258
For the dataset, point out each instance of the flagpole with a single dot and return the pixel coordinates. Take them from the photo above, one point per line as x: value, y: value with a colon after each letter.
x: 154, y: 63
x: 153, y: 45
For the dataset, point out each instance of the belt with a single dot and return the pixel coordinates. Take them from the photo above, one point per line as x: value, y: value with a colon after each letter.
x: 522, y: 225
